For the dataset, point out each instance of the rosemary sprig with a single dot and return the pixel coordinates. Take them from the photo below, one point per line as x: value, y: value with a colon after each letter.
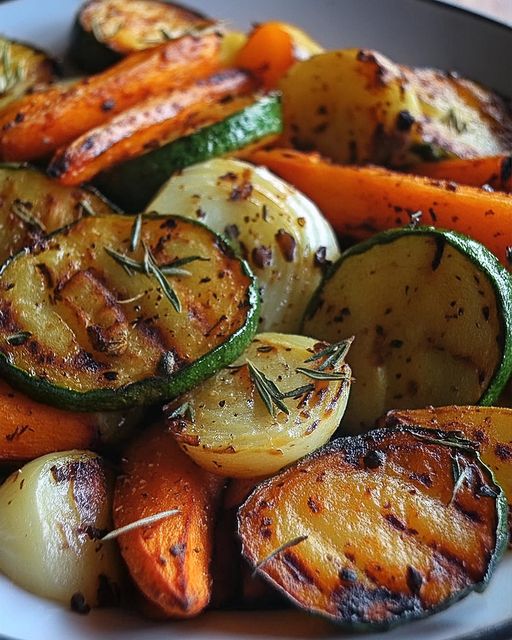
x: 155, y: 271
x: 185, y: 410
x: 87, y: 208
x: 21, y: 210
x: 135, y: 233
x: 170, y: 269
x: 452, y: 441
x: 143, y: 522
x: 299, y: 391
x: 334, y: 353
x: 318, y: 374
x: 290, y: 543
x: 268, y: 390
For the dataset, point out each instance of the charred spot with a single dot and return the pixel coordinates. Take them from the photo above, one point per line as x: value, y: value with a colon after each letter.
x: 178, y: 549
x: 423, y: 478
x: 470, y: 514
x: 78, y: 603
x: 313, y: 505
x: 396, y: 344
x: 169, y: 223
x: 18, y: 432
x: 357, y: 603
x: 395, y: 522
x: 374, y: 459
x: 241, y: 191
x: 503, y: 451
x: 230, y: 176
x: 414, y: 580
x: 19, y: 117
x: 232, y: 231
x: 506, y: 169
x: 404, y: 121
x: 111, y: 376
x: 262, y: 256
x: 347, y: 575
x: 108, y: 104
x: 287, y: 244
x: 486, y: 313
x: 88, y: 143
x: 297, y: 568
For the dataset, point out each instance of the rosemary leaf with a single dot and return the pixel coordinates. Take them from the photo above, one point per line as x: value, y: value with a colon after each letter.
x: 87, y: 207
x: 290, y: 543
x: 458, y: 483
x: 267, y: 390
x: 451, y: 440
x: 154, y: 270
x: 299, y: 391
x: 21, y: 210
x: 135, y: 233
x: 18, y: 338
x: 127, y: 263
x: 185, y: 410
x: 143, y: 522
x: 318, y: 374
x: 334, y: 353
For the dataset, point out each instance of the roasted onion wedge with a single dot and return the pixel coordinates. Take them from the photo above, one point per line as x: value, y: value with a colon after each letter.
x: 226, y: 426
x: 378, y: 529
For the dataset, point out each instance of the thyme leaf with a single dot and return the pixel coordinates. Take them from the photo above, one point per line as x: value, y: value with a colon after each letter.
x: 334, y: 353
x: 143, y: 522
x: 135, y: 233
x: 268, y: 390
x: 290, y: 543
x: 317, y: 374
x: 22, y: 211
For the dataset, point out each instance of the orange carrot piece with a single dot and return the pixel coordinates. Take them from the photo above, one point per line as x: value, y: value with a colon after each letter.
x: 360, y: 201
x: 496, y: 171
x: 168, y: 560
x: 268, y: 53
x: 29, y: 429
x: 36, y: 125
x: 153, y: 121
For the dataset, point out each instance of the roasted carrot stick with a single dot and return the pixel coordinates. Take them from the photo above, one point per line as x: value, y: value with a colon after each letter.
x: 156, y: 120
x: 36, y: 125
x: 268, y: 53
x: 360, y: 201
x: 169, y: 560
x: 29, y: 429
x: 495, y: 171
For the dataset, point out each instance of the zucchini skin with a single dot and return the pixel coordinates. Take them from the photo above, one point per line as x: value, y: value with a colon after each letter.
x: 355, y: 445
x: 481, y: 257
x: 132, y: 184
x: 155, y: 389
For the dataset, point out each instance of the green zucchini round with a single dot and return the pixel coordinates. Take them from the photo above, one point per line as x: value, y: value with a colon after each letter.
x: 431, y: 312
x: 132, y: 184
x: 107, y: 30
x: 96, y: 317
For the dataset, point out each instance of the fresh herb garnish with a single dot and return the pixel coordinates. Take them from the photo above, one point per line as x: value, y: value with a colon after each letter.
x: 135, y: 233
x: 159, y: 276
x: 334, y: 353
x: 22, y: 210
x: 185, y: 411
x: 18, y: 338
x: 286, y: 545
x: 143, y: 522
x: 317, y: 374
x: 268, y: 390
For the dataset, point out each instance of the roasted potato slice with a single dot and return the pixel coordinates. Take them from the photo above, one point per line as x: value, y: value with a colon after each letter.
x: 489, y: 427
x: 169, y: 557
x: 357, y: 106
x: 53, y: 513
x: 378, y: 529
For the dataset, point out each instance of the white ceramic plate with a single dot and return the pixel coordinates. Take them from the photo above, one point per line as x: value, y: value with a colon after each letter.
x: 412, y: 31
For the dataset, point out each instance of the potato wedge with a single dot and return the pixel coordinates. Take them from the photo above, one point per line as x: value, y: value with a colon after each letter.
x: 379, y: 529
x: 489, y: 427
x: 168, y: 560
x: 227, y: 426
x: 53, y: 512
x: 357, y: 106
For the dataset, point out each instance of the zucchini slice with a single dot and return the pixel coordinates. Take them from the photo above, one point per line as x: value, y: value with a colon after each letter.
x: 88, y: 323
x: 132, y: 184
x: 227, y: 426
x: 375, y: 530
x: 22, y: 68
x: 107, y: 30
x: 32, y: 205
x: 281, y: 233
x: 432, y: 318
